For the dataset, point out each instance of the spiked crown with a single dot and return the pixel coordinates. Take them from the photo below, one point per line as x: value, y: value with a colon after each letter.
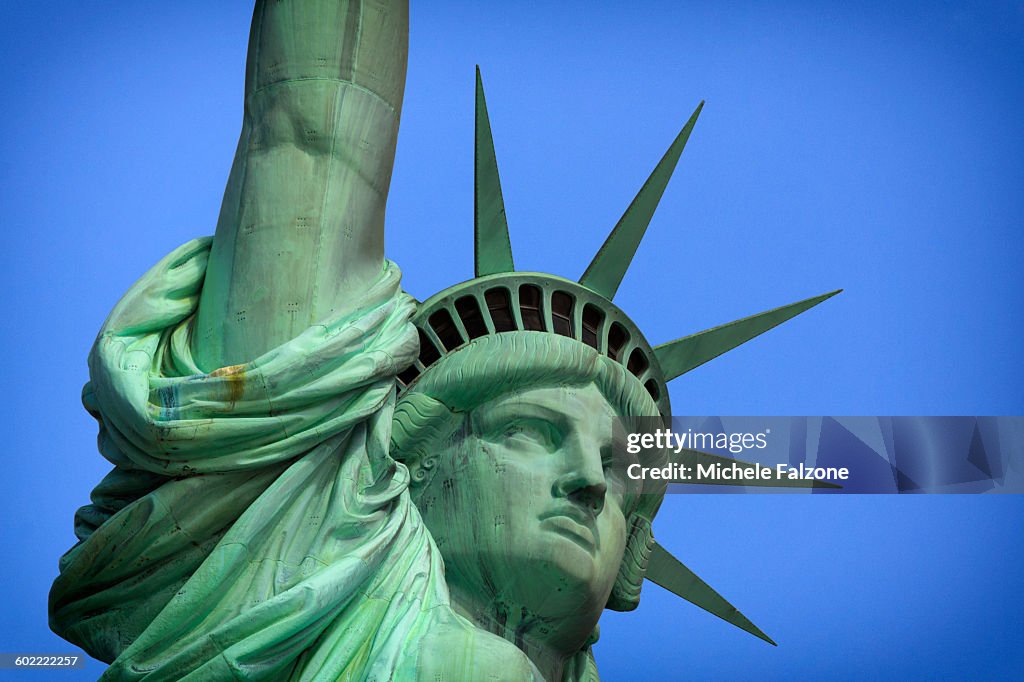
x: 500, y: 300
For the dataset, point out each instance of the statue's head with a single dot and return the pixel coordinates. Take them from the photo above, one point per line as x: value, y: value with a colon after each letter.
x: 512, y: 445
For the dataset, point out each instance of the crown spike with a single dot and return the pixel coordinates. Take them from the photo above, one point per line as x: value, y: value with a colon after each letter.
x: 492, y: 249
x: 665, y: 570
x: 680, y: 356
x: 605, y: 272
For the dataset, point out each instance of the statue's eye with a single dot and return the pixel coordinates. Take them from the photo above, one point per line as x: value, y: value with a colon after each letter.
x: 530, y: 430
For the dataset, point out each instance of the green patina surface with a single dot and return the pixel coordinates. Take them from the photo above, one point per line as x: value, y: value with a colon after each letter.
x: 317, y: 478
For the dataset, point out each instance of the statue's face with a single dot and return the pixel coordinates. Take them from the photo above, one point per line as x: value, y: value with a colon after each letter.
x: 526, y: 509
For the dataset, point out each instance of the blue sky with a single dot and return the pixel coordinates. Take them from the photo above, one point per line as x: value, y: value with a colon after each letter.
x: 872, y: 147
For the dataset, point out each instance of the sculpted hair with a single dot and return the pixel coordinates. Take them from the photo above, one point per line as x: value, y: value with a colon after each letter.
x: 430, y: 417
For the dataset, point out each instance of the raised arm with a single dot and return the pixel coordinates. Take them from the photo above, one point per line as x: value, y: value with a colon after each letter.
x: 301, y: 229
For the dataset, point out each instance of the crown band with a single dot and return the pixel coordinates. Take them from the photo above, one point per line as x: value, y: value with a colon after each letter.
x: 532, y: 301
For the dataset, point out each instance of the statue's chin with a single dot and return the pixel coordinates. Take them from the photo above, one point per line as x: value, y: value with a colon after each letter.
x: 569, y: 581
x: 557, y: 579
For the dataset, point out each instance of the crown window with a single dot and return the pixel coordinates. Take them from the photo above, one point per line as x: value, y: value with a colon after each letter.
x: 531, y: 307
x: 500, y: 308
x: 561, y: 313
x: 468, y: 309
x: 444, y: 326
x: 618, y: 337
x: 592, y: 319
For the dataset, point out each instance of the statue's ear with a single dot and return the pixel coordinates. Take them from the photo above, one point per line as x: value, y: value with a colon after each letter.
x: 625, y: 594
x: 419, y: 427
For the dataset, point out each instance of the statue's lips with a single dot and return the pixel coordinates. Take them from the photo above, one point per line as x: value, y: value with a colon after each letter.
x: 573, y: 525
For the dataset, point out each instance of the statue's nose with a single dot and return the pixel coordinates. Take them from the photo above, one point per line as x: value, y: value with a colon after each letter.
x: 583, y: 482
x: 590, y: 497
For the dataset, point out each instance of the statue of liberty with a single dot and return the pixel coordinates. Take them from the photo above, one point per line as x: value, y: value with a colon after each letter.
x: 316, y: 477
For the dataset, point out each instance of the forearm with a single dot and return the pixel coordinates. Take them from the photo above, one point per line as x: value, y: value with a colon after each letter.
x: 301, y: 230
